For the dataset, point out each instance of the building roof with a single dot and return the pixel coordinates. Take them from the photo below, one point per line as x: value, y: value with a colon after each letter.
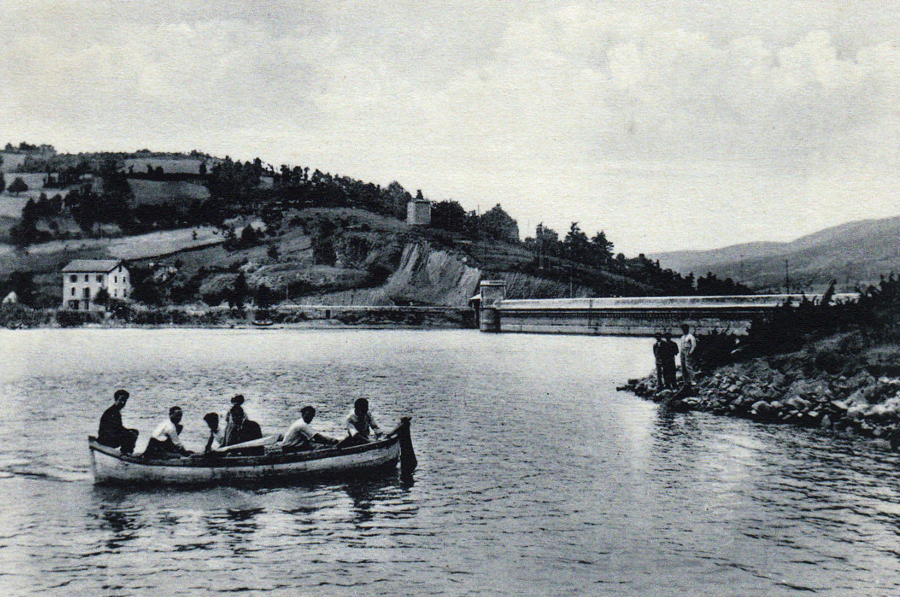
x: 100, y: 266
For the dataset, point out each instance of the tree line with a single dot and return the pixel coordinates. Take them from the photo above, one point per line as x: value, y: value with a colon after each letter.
x: 256, y: 189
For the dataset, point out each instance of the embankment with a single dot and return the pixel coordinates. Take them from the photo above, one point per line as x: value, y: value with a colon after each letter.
x: 791, y: 389
x: 17, y: 316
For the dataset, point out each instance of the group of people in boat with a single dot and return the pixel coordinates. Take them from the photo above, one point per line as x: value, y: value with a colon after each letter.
x: 238, y: 430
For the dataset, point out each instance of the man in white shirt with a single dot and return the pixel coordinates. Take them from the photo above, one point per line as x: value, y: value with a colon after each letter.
x: 360, y: 424
x: 688, y: 346
x: 300, y: 435
x: 216, y: 437
x: 164, y: 441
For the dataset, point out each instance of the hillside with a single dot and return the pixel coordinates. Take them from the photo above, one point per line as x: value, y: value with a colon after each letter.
x: 854, y: 254
x: 196, y: 228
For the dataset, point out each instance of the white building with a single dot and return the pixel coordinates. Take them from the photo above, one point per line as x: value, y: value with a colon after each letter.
x: 83, y: 279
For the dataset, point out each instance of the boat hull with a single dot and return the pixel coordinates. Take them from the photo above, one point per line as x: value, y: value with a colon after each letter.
x: 111, y: 467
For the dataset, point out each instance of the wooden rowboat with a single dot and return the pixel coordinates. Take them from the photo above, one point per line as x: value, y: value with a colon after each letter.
x: 109, y: 465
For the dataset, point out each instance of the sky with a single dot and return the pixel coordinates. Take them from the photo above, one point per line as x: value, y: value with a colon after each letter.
x: 668, y: 124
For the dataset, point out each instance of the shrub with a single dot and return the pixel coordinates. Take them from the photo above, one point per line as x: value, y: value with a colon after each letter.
x: 16, y: 315
x: 67, y: 319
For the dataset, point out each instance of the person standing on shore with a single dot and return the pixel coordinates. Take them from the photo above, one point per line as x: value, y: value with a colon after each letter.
x: 688, y: 346
x: 658, y: 352
x: 669, y: 352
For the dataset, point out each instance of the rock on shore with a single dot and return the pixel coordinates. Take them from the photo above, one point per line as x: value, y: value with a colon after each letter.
x: 782, y: 391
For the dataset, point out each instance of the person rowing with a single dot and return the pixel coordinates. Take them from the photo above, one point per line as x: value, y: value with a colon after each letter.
x: 165, y: 441
x: 301, y: 435
x: 216, y: 437
x: 360, y: 425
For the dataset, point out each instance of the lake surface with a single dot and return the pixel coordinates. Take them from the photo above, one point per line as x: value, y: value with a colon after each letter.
x: 535, y: 476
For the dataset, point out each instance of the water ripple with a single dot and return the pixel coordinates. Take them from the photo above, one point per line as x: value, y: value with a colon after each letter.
x: 535, y: 476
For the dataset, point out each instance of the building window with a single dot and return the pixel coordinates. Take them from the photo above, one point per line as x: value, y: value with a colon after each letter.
x: 100, y: 279
x: 87, y: 293
x: 86, y: 278
x: 73, y: 278
x: 115, y: 279
x: 73, y: 291
x: 73, y: 304
x: 116, y: 293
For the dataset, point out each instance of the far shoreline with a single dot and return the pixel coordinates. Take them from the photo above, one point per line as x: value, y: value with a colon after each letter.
x: 16, y: 317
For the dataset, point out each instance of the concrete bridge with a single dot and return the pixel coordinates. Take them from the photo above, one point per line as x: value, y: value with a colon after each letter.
x: 631, y: 316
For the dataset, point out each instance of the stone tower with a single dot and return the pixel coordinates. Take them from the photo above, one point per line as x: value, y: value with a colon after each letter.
x: 418, y: 211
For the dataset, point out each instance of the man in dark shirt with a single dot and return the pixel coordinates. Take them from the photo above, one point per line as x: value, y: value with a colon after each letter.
x: 669, y: 350
x: 244, y: 430
x: 658, y: 357
x: 112, y: 433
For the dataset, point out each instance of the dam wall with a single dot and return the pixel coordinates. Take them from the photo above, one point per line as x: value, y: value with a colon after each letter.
x: 633, y: 316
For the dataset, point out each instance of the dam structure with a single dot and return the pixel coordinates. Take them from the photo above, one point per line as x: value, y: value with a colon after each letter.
x: 627, y: 316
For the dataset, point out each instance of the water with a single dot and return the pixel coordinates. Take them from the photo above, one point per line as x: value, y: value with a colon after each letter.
x: 535, y: 476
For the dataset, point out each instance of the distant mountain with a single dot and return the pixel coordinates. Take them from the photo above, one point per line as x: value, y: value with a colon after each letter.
x: 854, y: 254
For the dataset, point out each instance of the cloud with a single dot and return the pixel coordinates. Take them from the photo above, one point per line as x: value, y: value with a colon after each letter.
x: 596, y: 112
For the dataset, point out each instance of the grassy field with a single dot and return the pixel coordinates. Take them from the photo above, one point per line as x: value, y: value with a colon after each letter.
x: 154, y: 192
x: 162, y: 243
x: 11, y: 161
x: 11, y: 205
x: 35, y: 184
x: 51, y: 256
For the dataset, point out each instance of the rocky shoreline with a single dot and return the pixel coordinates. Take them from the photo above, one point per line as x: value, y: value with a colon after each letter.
x: 786, y: 390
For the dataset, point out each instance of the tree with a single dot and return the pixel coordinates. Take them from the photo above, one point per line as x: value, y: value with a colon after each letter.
x: 239, y: 291
x: 22, y: 283
x: 601, y: 247
x: 144, y: 288
x: 577, y: 245
x: 102, y: 297
x: 264, y: 297
x: 18, y: 186
x: 25, y: 232
x: 395, y: 200
x: 449, y: 215
x: 497, y: 224
x: 249, y: 236
x: 116, y: 199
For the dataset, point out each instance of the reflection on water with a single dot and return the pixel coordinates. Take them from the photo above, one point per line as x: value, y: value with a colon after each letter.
x: 535, y: 477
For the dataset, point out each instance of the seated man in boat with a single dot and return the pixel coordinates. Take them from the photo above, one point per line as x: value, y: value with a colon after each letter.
x: 164, y: 441
x: 301, y: 436
x: 360, y: 425
x: 236, y: 401
x: 112, y: 433
x: 216, y: 437
x: 243, y: 430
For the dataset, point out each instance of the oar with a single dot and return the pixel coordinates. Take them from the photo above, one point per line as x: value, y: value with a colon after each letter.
x: 255, y: 443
